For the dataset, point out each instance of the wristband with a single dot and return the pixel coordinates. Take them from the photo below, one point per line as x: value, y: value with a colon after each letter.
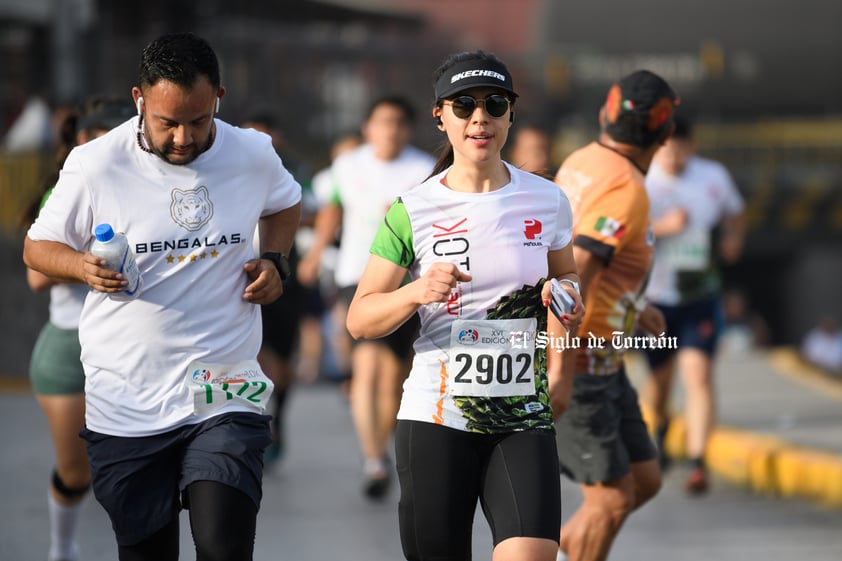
x: 280, y: 262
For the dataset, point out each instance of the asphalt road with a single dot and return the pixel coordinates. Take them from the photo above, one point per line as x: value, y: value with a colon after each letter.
x: 313, y: 508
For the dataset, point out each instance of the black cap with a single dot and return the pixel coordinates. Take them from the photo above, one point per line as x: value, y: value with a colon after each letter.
x: 474, y: 73
x: 639, y: 108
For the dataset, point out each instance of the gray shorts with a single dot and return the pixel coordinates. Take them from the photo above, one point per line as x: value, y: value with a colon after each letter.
x: 55, y: 367
x: 141, y: 481
x: 602, y: 432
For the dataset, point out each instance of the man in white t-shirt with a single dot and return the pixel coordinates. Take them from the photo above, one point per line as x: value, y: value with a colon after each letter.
x: 366, y: 181
x: 696, y: 213
x: 174, y: 393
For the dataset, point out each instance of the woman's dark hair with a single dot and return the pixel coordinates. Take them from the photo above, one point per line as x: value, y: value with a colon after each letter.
x: 179, y: 58
x: 97, y: 113
x: 445, y: 158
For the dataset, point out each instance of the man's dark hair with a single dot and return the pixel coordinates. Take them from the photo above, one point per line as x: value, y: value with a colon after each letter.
x: 179, y: 58
x: 395, y: 101
x: 263, y: 117
x: 639, y: 109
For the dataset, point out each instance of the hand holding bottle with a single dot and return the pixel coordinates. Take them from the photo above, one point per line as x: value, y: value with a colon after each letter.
x: 114, y: 250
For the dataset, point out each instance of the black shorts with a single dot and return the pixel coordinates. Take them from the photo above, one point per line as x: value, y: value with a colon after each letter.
x: 444, y: 471
x: 282, y: 317
x: 141, y: 481
x: 695, y: 325
x: 400, y: 340
x: 280, y: 322
x: 602, y: 431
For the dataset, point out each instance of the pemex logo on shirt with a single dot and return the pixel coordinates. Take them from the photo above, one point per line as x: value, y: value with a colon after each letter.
x: 532, y: 229
x: 191, y: 209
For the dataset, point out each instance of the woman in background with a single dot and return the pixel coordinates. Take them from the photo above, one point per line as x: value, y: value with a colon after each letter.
x: 55, y: 369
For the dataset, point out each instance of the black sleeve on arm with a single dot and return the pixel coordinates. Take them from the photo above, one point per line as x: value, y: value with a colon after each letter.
x: 598, y: 248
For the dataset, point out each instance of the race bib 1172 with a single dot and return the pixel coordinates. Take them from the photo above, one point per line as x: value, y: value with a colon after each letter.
x: 215, y: 385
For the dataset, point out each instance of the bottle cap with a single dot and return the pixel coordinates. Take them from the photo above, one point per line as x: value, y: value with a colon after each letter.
x: 103, y: 232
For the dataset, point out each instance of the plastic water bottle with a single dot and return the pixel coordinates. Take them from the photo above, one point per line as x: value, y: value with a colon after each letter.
x: 114, y: 248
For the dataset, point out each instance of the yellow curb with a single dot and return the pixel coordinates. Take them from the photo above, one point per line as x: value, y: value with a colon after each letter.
x: 676, y: 437
x: 764, y: 463
x: 810, y: 474
x: 745, y: 458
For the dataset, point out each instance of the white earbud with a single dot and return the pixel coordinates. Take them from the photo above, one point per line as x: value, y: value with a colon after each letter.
x: 139, y: 105
x: 217, y: 106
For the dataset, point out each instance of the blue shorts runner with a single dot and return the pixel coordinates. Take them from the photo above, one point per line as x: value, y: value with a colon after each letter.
x: 695, y: 325
x: 141, y: 481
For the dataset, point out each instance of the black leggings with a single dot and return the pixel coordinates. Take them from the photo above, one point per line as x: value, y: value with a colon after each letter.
x: 222, y: 520
x: 444, y: 472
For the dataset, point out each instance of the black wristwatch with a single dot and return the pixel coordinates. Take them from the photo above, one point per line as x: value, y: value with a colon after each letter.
x: 281, y: 263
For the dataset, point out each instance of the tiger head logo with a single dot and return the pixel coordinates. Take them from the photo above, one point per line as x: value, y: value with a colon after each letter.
x: 191, y: 209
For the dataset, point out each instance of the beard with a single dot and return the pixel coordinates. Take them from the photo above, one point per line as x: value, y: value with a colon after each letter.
x: 178, y: 156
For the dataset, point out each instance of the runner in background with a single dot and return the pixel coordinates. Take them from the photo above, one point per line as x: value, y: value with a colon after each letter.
x: 697, y: 217
x: 366, y: 181
x: 603, y: 443
x: 531, y: 150
x: 336, y: 358
x: 291, y: 322
x: 55, y: 369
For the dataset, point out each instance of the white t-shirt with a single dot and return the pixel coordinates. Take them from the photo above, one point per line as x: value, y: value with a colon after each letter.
x: 323, y: 186
x: 501, y: 239
x: 66, y: 302
x: 685, y: 264
x: 66, y: 299
x: 191, y: 230
x: 366, y: 187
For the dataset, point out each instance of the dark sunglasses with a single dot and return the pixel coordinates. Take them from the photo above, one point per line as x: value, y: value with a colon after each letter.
x: 495, y: 105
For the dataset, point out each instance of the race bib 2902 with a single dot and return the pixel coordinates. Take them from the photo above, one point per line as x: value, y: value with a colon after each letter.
x: 492, y: 358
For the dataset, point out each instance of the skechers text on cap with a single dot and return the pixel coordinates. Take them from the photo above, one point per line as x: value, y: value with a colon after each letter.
x: 473, y: 74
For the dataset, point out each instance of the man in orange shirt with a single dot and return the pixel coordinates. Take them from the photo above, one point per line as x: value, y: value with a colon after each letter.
x: 603, y: 442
